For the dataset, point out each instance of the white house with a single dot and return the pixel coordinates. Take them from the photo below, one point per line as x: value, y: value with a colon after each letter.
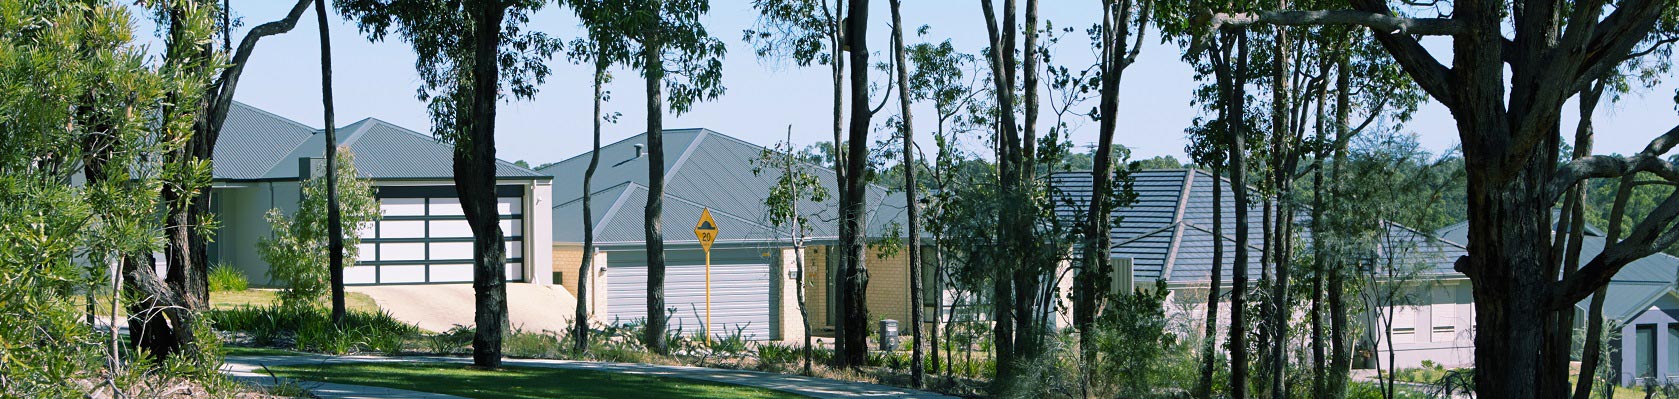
x: 421, y: 238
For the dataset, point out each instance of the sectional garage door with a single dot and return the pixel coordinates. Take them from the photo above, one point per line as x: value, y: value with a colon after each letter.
x: 740, y: 293
x: 423, y: 237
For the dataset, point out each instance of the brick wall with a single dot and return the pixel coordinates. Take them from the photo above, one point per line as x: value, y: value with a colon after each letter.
x: 567, y: 258
x: 888, y: 292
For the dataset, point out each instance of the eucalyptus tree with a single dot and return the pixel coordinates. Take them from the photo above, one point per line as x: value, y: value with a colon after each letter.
x: 674, y: 54
x: 906, y: 132
x: 335, y: 229
x: 942, y: 75
x: 603, y: 47
x: 796, y: 184
x: 854, y: 275
x: 186, y: 254
x: 469, y: 54
x: 1225, y: 56
x: 1508, y: 124
x: 812, y: 32
x: 1121, y: 19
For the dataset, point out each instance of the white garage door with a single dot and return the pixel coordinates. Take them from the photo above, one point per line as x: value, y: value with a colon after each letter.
x: 740, y: 297
x: 423, y: 237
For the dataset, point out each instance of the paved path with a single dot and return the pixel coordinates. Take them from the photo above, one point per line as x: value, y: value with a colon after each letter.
x: 808, y: 386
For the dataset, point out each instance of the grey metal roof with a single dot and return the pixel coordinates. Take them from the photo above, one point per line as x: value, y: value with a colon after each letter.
x: 1167, y: 231
x: 703, y: 169
x: 257, y: 145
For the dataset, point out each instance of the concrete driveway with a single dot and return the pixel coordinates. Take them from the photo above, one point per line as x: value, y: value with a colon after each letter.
x: 438, y: 307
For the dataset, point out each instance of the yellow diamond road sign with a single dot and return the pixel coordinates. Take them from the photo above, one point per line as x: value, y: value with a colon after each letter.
x: 706, y: 229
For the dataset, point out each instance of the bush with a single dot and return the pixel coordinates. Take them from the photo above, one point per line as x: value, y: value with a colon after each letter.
x: 227, y: 278
x: 310, y: 329
x: 297, y: 252
x: 774, y: 356
x: 544, y: 344
x: 455, y: 340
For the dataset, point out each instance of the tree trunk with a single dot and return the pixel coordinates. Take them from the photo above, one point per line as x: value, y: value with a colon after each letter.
x: 187, y: 248
x: 1096, y: 267
x: 1234, y: 82
x: 475, y: 185
x: 912, y: 209
x: 852, y: 224
x: 653, y: 215
x: 1340, y: 353
x: 837, y: 44
x: 1008, y: 342
x: 1592, y: 348
x: 334, y: 224
x: 1209, y: 347
x: 586, y: 269
x: 159, y: 322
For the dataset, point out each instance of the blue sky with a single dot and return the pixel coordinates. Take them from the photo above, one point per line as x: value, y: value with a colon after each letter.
x: 765, y: 97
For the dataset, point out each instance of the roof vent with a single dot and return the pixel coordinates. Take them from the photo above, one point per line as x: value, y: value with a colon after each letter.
x: 638, y: 148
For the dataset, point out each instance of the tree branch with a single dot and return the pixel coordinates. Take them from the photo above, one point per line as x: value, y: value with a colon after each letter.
x: 1602, y: 166
x: 1379, y: 22
x: 229, y: 80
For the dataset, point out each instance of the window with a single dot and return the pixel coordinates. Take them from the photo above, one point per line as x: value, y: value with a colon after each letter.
x: 1444, y: 314
x: 1672, y: 348
x: 1645, y: 363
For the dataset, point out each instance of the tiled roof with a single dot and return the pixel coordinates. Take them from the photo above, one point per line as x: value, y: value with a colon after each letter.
x: 1167, y: 231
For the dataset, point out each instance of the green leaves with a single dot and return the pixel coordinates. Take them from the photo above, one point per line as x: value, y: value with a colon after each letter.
x: 297, y: 252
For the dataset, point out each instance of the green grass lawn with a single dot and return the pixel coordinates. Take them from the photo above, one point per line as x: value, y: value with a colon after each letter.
x: 518, y: 382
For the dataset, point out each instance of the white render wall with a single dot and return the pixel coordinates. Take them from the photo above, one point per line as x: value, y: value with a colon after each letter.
x: 1448, y: 306
x: 539, y: 233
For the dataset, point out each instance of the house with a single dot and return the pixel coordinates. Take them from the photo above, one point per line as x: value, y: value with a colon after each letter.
x: 1641, y: 307
x: 1166, y: 234
x: 753, y: 272
x: 261, y: 158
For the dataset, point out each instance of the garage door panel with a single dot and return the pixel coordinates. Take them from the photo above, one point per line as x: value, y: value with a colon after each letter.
x: 424, y: 238
x: 739, y: 296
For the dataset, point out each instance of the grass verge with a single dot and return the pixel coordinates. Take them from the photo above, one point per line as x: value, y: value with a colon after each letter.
x: 518, y: 382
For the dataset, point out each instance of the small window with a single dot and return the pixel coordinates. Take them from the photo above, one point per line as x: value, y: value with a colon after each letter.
x: 1673, y: 348
x: 1645, y: 363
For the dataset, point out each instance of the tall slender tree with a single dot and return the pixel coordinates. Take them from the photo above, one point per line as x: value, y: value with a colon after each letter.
x: 467, y: 51
x: 675, y: 55
x: 186, y: 255
x: 1120, y: 20
x: 906, y: 132
x: 335, y: 229
x: 854, y: 274
x: 602, y: 48
x: 812, y: 32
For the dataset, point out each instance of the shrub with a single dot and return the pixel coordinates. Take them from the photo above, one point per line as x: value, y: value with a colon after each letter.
x: 455, y: 340
x: 297, y: 253
x: 310, y: 328
x: 227, y: 278
x: 774, y: 356
x: 533, y: 345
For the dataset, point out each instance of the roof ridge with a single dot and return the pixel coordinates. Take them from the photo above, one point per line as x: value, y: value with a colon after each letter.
x: 274, y: 115
x: 682, y: 159
x: 362, y: 126
x: 591, y: 195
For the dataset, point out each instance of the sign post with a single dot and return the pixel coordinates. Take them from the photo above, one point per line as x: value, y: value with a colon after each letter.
x: 706, y: 232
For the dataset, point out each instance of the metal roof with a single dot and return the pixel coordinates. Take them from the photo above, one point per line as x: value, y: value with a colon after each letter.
x: 257, y: 145
x: 703, y: 169
x: 1167, y: 231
